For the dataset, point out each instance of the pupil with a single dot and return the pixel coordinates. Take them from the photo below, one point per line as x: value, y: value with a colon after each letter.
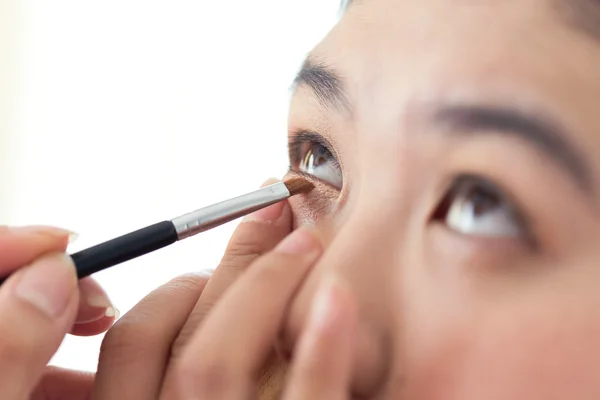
x: 482, y: 201
x: 315, y: 156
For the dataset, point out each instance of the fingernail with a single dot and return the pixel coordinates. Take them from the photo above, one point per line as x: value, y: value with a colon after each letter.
x: 93, y: 301
x: 301, y: 241
x: 73, y: 236
x: 48, y: 284
x: 112, y: 312
x: 92, y: 294
x: 97, y: 301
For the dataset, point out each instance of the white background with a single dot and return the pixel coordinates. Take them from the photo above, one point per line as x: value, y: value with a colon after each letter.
x: 117, y: 114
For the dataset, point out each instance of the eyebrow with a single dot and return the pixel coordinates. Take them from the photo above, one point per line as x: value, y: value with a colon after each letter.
x: 541, y: 131
x: 324, y: 82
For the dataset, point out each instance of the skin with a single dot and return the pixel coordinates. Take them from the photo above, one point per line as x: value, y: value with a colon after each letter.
x: 443, y: 311
x: 164, y: 321
x: 447, y: 314
x: 36, y: 253
x: 393, y: 299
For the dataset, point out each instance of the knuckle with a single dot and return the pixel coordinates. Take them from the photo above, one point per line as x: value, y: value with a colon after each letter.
x: 253, y: 238
x: 239, y: 258
x: 190, y: 283
x: 244, y: 248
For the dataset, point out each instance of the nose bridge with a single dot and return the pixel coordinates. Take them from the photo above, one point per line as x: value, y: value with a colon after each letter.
x: 362, y: 255
x: 366, y: 247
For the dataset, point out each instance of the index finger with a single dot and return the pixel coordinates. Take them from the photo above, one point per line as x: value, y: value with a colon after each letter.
x: 224, y: 356
x: 256, y: 235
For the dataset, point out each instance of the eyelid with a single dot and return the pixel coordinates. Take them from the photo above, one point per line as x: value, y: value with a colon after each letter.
x: 539, y: 129
x: 313, y: 179
x: 456, y: 180
x: 297, y: 139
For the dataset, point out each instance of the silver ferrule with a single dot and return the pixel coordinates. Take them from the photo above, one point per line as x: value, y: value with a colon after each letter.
x: 218, y: 214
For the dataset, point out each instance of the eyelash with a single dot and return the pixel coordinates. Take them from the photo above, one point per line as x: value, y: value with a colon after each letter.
x: 478, y: 188
x: 488, y: 187
x: 298, y: 145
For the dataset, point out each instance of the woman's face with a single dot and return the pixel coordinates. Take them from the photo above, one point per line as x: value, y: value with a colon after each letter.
x: 455, y: 149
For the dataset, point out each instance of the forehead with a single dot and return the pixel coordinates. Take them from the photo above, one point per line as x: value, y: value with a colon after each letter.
x: 389, y: 56
x: 502, y: 43
x: 583, y: 15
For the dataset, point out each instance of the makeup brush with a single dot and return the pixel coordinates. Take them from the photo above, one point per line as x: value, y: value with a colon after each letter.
x: 162, y: 234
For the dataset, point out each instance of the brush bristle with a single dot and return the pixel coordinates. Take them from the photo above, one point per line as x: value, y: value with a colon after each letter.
x: 298, y: 185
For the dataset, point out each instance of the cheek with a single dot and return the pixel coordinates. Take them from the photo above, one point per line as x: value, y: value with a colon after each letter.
x: 495, y: 334
x: 515, y: 354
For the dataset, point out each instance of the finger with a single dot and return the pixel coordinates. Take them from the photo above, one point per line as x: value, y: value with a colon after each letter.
x: 95, y: 327
x: 256, y: 235
x: 63, y: 384
x: 20, y: 246
x: 223, y: 358
x: 322, y: 364
x: 136, y: 350
x: 37, y: 307
x: 96, y: 313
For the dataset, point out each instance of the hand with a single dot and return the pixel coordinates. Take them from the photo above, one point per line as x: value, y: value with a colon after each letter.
x: 39, y: 304
x: 225, y: 355
x: 139, y: 352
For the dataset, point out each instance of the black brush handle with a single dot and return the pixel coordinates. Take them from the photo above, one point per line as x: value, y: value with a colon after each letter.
x: 123, y: 248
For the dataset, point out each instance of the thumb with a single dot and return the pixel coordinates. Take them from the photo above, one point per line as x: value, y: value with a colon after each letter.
x: 38, y: 304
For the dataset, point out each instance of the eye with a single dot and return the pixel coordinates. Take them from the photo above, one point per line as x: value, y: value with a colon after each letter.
x: 310, y: 155
x: 474, y: 206
x: 319, y: 162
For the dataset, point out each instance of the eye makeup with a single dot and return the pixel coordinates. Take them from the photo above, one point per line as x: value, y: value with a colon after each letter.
x: 312, y: 155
